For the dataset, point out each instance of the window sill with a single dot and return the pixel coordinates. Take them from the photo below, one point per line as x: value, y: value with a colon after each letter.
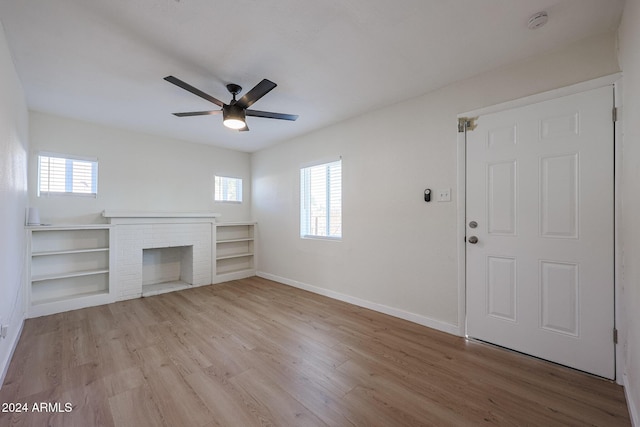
x: 324, y: 238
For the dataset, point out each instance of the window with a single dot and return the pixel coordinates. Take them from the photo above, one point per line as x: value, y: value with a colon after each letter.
x: 228, y: 189
x: 60, y: 174
x: 321, y: 200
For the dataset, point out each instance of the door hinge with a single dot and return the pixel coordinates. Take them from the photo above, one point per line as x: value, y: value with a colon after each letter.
x: 466, y: 123
x: 614, y: 114
x: 615, y: 336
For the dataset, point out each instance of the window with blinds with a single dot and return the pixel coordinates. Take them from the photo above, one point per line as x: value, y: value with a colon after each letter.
x: 321, y: 200
x: 228, y: 189
x: 66, y: 175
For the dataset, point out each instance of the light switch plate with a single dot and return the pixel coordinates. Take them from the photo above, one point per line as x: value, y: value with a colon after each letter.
x: 444, y: 195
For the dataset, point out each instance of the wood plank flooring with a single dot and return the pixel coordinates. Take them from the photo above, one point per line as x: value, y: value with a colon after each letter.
x: 254, y: 352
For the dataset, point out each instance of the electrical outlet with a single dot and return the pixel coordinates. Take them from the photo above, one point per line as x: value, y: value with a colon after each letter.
x: 444, y: 195
x: 3, y: 331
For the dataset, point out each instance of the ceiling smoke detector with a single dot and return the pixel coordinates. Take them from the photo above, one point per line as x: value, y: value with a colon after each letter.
x: 537, y: 20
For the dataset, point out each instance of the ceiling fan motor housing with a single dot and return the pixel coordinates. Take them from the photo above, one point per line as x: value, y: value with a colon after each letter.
x: 233, y: 116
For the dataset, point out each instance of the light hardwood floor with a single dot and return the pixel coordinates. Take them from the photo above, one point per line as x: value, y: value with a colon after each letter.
x: 255, y: 352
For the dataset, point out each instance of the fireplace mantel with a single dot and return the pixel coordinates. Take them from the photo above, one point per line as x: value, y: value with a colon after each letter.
x: 146, y: 217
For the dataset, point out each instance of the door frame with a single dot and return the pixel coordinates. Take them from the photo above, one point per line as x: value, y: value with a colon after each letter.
x: 616, y: 81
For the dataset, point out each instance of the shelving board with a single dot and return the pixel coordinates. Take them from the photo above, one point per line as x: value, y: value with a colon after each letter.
x: 68, y: 275
x: 242, y: 255
x: 77, y: 251
x: 246, y: 239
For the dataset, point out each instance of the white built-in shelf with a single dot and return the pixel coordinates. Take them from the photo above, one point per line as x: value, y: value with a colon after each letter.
x: 242, y: 255
x: 69, y: 267
x: 246, y: 239
x: 68, y: 298
x: 68, y: 275
x: 76, y: 251
x: 235, y: 250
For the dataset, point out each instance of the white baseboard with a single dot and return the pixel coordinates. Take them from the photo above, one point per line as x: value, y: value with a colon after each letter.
x: 631, y: 404
x: 411, y: 317
x: 7, y: 361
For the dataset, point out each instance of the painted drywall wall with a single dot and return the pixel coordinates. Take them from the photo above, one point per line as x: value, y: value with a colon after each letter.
x: 136, y: 172
x: 13, y: 202
x: 397, y: 251
x: 629, y: 55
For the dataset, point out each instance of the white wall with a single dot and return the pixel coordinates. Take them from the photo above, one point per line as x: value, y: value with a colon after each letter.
x: 13, y: 202
x: 397, y: 251
x: 629, y: 55
x: 136, y: 172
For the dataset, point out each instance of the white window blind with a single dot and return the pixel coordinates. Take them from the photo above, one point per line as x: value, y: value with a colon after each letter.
x: 228, y: 189
x: 64, y: 175
x: 321, y: 200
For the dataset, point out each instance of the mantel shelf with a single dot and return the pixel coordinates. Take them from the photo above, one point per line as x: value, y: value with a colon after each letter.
x: 142, y: 214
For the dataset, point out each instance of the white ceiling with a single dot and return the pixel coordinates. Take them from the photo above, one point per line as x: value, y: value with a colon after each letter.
x: 104, y: 60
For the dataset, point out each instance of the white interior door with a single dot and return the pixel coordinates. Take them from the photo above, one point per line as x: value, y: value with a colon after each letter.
x: 540, y: 277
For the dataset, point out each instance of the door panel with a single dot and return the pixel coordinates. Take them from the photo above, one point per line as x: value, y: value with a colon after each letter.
x: 540, y: 186
x: 559, y: 196
x: 501, y: 287
x: 501, y: 184
x: 559, y: 295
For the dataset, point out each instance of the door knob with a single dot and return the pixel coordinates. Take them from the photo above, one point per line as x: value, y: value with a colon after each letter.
x: 473, y: 240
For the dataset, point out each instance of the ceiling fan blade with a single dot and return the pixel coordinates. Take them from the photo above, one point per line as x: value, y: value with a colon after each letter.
x: 186, y: 86
x: 258, y: 91
x: 198, y: 113
x: 269, y: 115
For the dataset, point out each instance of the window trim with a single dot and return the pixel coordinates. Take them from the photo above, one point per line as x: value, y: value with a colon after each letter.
x: 240, y: 193
x: 306, y: 166
x: 69, y: 184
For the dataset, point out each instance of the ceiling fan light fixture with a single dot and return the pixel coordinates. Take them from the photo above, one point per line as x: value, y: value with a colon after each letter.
x: 234, y: 123
x: 233, y: 117
x: 234, y: 113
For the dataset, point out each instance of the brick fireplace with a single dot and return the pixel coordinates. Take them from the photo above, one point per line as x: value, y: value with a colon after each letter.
x: 161, y: 252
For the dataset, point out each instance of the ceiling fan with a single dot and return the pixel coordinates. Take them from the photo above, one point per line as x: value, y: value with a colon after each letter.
x: 235, y: 112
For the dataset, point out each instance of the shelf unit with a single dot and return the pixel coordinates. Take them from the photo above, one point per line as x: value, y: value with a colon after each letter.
x: 235, y: 251
x: 69, y: 268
